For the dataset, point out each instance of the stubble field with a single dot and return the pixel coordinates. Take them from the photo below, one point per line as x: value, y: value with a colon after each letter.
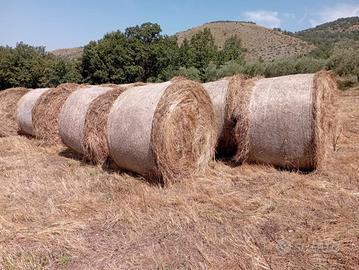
x: 58, y: 212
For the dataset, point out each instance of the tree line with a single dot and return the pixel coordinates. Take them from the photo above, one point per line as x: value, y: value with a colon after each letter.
x: 143, y: 53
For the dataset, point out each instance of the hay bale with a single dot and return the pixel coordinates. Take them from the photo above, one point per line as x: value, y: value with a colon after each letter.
x: 8, y: 102
x: 217, y: 91
x: 162, y: 131
x: 287, y: 120
x: 94, y: 141
x: 24, y: 110
x: 223, y: 94
x: 45, y: 113
x: 73, y: 115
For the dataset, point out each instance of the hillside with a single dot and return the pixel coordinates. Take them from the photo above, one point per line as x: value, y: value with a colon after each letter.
x: 259, y: 41
x: 332, y: 32
x: 69, y: 53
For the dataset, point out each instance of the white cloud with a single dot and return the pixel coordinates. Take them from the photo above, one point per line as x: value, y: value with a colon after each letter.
x: 264, y: 17
x: 335, y: 12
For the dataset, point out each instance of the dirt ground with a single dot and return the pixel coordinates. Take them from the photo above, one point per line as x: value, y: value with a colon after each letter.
x: 57, y: 212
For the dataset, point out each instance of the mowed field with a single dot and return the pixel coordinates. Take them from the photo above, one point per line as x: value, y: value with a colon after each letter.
x: 58, y: 212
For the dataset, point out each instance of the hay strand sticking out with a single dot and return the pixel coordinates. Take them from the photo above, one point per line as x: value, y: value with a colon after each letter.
x: 45, y: 113
x: 94, y: 140
x: 24, y: 110
x: 73, y: 115
x: 281, y: 127
x: 325, y: 115
x: 163, y: 131
x: 8, y: 102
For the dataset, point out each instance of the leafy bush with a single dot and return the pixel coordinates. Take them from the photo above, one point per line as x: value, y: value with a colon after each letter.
x: 191, y: 73
x: 32, y: 67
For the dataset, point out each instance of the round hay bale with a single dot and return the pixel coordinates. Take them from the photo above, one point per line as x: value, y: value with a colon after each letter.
x: 73, y: 115
x: 24, y: 110
x: 8, y: 102
x: 286, y: 120
x: 325, y: 115
x: 223, y: 94
x: 163, y: 131
x: 45, y: 113
x: 95, y: 129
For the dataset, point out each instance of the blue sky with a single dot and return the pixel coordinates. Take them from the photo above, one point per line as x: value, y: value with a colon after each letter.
x: 70, y: 23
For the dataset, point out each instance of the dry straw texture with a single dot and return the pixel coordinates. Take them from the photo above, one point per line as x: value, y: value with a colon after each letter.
x: 217, y: 91
x: 164, y: 131
x: 45, y: 113
x: 73, y: 115
x: 59, y: 213
x: 325, y: 115
x: 224, y: 96
x: 24, y: 110
x: 283, y: 120
x: 8, y: 101
x: 94, y: 142
x: 94, y: 139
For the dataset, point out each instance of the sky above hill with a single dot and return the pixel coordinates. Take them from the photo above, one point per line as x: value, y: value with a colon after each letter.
x: 71, y: 23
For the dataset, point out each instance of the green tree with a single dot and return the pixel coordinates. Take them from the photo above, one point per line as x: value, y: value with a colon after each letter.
x: 344, y: 59
x: 202, y: 50
x: 113, y: 59
x: 146, y: 33
x: 230, y: 68
x: 62, y: 71
x: 190, y: 73
x: 185, y: 57
x: 211, y: 72
x: 139, y: 54
x: 22, y: 66
x: 232, y: 51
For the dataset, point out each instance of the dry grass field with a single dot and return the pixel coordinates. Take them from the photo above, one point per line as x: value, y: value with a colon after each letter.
x: 57, y: 212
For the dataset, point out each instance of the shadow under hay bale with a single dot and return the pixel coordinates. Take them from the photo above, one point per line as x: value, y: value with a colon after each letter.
x: 287, y: 121
x: 24, y: 110
x: 8, y: 102
x: 163, y: 131
x: 45, y: 113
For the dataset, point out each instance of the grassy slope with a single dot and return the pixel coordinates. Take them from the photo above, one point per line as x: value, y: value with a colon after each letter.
x: 259, y: 41
x: 329, y: 33
x: 58, y: 212
x: 70, y: 53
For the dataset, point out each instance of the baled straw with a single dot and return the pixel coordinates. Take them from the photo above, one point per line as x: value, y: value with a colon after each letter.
x: 223, y: 94
x: 164, y: 131
x: 73, y: 115
x: 325, y: 115
x: 94, y: 139
x: 8, y: 102
x: 284, y: 120
x: 94, y: 142
x: 45, y: 113
x: 217, y: 91
x: 24, y: 110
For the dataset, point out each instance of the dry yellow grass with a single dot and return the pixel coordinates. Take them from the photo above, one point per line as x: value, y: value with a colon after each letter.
x: 57, y: 212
